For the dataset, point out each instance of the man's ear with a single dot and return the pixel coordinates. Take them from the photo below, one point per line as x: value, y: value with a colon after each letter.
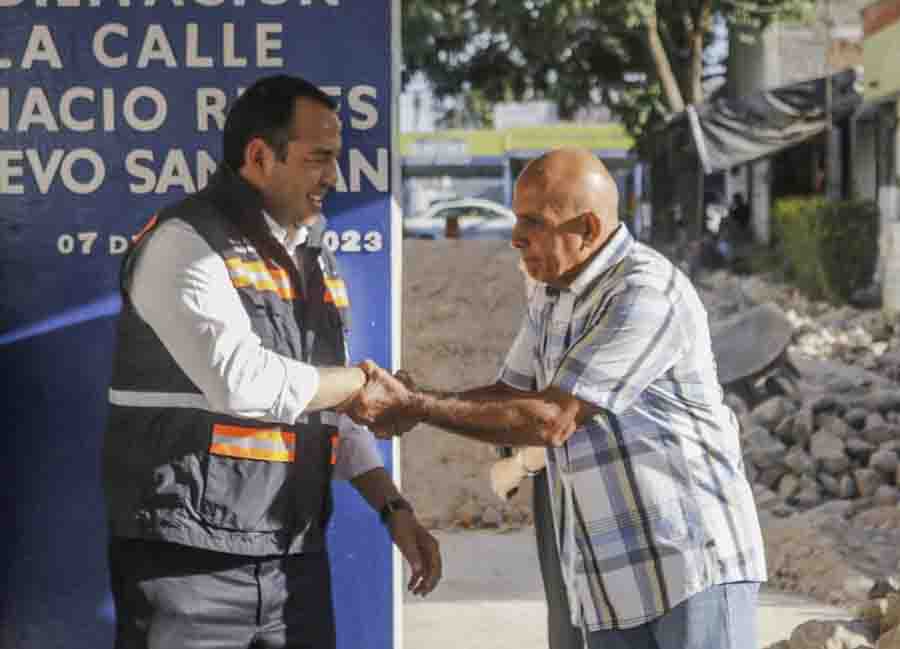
x: 593, y: 227
x: 257, y: 155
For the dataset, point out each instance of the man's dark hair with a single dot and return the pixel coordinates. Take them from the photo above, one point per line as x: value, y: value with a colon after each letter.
x: 266, y: 110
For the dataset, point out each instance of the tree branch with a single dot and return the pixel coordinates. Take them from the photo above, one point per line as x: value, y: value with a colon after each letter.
x: 699, y: 23
x: 661, y: 61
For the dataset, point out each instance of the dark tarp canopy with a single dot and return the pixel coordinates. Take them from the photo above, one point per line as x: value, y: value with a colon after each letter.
x: 737, y: 131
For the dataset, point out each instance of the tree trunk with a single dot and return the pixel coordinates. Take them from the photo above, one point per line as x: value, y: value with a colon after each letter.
x: 663, y: 68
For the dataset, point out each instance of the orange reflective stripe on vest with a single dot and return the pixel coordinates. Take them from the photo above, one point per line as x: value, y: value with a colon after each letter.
x: 271, y: 444
x: 335, y: 443
x: 145, y: 229
x: 336, y: 292
x: 260, y: 276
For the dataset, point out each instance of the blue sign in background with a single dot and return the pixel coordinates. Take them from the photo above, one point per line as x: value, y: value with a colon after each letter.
x: 70, y: 98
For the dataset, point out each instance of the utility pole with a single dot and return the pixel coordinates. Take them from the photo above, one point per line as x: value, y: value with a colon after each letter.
x: 829, y: 163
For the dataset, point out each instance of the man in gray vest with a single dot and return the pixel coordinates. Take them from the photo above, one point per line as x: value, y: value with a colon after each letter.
x: 223, y: 437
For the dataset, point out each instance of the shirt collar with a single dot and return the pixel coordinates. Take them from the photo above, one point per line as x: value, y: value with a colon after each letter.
x: 239, y: 199
x: 611, y: 253
x: 281, y: 234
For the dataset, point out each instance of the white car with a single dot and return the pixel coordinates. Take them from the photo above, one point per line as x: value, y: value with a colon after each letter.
x: 477, y: 218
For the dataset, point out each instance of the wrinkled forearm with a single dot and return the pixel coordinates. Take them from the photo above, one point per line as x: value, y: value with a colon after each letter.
x: 494, y: 415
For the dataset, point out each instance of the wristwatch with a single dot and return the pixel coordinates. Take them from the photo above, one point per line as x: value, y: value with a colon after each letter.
x: 391, y: 506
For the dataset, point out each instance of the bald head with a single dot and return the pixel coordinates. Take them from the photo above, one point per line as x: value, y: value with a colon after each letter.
x: 566, y: 206
x: 574, y: 181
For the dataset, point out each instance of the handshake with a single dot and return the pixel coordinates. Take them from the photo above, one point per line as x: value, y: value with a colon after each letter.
x: 388, y: 405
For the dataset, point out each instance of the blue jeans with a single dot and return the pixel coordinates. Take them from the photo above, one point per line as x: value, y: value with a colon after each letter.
x: 720, y: 617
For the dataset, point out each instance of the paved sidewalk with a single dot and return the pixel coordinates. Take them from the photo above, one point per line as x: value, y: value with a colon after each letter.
x: 491, y: 598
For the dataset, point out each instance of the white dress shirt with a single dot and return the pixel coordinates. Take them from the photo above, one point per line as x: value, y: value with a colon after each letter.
x: 182, y: 289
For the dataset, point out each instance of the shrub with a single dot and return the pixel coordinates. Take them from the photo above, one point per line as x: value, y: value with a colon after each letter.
x: 830, y: 248
x: 759, y: 260
x: 849, y: 245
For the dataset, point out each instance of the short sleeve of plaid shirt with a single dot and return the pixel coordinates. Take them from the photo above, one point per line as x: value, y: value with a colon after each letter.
x: 518, y: 369
x: 631, y: 343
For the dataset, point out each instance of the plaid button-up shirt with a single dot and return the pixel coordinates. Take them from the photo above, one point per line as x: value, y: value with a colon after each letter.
x: 650, y: 500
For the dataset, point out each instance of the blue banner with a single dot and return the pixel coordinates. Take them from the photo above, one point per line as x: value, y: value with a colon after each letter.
x: 110, y: 109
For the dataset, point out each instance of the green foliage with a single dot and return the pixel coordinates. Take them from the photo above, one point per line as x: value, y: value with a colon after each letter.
x: 759, y: 259
x: 849, y: 245
x: 513, y: 50
x: 794, y: 221
x: 829, y: 247
x: 573, y: 52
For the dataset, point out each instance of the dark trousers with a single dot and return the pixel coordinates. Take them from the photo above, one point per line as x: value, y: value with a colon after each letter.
x: 560, y: 632
x: 170, y: 596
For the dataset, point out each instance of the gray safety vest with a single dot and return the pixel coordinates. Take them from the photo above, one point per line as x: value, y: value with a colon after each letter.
x: 176, y: 471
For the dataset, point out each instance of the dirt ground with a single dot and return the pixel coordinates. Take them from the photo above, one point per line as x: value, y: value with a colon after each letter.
x: 462, y: 305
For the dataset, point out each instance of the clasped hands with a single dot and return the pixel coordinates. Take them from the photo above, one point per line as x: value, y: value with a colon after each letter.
x: 385, y: 404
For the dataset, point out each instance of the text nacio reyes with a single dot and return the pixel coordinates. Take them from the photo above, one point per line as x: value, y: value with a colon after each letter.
x: 83, y: 109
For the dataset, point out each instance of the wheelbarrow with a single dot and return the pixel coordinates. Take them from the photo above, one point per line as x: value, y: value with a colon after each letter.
x: 750, y: 348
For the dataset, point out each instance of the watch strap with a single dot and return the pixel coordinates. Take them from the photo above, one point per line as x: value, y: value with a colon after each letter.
x: 391, y: 506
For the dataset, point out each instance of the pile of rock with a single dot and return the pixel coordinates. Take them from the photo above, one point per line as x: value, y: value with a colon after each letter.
x: 875, y: 625
x: 824, y: 462
x: 863, y: 338
x: 866, y: 338
x: 800, y: 452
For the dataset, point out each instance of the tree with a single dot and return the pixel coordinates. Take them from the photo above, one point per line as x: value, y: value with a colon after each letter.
x: 645, y: 58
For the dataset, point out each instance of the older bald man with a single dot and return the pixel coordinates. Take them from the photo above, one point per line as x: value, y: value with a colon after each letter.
x: 612, y: 370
